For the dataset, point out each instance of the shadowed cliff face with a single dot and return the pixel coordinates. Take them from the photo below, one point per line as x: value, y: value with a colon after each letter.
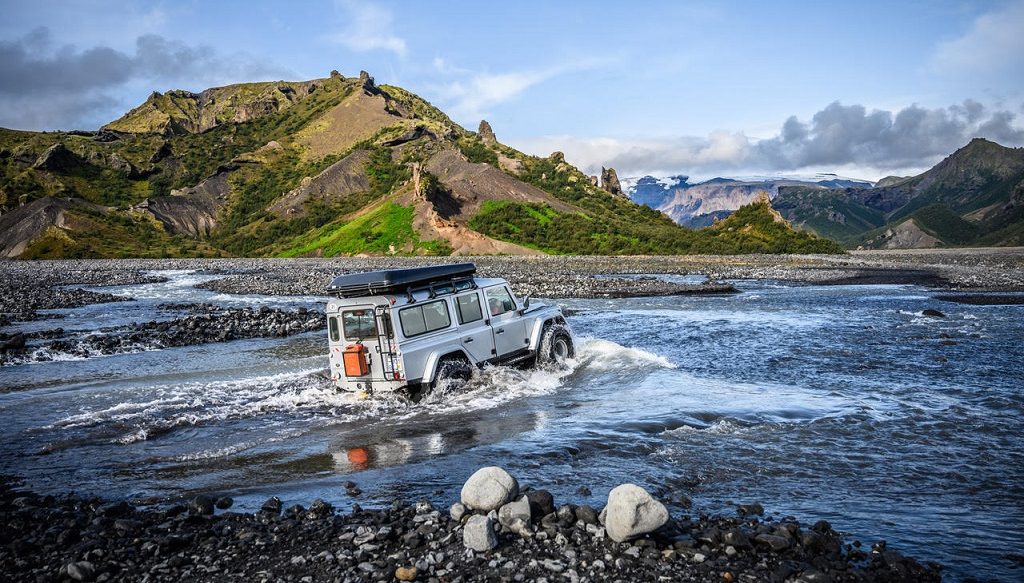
x: 29, y: 222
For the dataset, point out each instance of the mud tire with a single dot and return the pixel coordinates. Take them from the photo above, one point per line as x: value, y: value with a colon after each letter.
x: 452, y: 369
x: 556, y: 346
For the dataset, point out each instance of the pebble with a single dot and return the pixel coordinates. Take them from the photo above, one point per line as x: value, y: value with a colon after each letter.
x: 406, y: 573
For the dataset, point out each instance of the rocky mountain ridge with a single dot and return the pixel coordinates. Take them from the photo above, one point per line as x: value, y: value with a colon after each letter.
x: 332, y: 166
x: 975, y: 196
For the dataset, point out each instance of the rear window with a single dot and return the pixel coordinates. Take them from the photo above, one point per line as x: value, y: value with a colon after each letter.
x: 358, y: 324
x: 335, y: 335
x: 426, y: 318
x: 468, y: 308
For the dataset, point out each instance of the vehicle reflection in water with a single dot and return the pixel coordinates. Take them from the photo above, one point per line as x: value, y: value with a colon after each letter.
x: 418, y: 440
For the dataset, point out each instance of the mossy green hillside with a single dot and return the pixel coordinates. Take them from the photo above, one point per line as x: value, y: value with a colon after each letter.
x: 386, y: 230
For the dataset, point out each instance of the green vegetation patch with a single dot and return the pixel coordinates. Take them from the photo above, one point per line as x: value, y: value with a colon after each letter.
x: 948, y: 226
x: 475, y: 151
x: 386, y: 230
x: 752, y: 229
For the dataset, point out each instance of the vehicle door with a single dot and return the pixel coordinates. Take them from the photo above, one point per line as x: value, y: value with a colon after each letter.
x: 508, y: 328
x: 474, y: 333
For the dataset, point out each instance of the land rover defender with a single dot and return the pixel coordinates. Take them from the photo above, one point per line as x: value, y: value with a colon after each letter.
x: 410, y: 329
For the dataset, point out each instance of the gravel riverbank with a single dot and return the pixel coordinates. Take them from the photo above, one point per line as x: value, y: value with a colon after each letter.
x: 27, y: 286
x: 86, y: 539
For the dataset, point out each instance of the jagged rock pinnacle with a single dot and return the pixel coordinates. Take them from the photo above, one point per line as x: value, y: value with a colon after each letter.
x: 486, y: 133
x: 610, y: 181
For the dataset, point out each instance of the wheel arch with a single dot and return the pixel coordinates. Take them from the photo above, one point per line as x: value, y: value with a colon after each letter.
x: 435, y: 359
x: 541, y: 326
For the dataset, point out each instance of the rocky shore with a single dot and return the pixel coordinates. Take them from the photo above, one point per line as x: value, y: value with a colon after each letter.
x: 204, y: 324
x: 26, y: 287
x: 497, y: 531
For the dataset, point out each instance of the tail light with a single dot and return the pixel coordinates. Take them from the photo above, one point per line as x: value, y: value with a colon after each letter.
x: 355, y: 361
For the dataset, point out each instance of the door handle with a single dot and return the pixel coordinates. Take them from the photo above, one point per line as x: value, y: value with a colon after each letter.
x: 499, y: 331
x: 467, y: 340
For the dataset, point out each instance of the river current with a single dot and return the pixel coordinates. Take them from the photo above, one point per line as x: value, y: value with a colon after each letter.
x: 842, y: 403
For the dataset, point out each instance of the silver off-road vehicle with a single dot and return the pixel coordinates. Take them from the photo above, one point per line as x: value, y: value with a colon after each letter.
x: 410, y: 329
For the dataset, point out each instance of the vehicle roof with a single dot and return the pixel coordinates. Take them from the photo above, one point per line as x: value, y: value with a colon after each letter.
x: 389, y: 281
x: 402, y: 299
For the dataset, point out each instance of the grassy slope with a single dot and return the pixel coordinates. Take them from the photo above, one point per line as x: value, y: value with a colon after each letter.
x: 385, y: 230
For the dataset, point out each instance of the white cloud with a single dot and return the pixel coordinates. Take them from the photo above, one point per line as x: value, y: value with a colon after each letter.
x: 993, y: 43
x: 368, y: 28
x: 471, y: 98
x: 849, y: 140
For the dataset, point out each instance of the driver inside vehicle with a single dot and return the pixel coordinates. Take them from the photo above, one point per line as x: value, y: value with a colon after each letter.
x: 495, y: 306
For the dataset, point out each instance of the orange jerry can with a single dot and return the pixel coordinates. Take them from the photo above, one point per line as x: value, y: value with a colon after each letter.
x: 355, y: 361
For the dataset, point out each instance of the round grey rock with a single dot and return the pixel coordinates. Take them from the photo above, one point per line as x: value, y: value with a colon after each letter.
x: 518, y: 509
x: 457, y: 511
x: 489, y: 489
x: 632, y: 512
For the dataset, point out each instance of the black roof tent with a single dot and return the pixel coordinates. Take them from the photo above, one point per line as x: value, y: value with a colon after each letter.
x: 391, y: 281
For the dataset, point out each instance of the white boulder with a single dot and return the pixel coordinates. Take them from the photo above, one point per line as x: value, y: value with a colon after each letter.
x: 489, y: 488
x: 632, y: 512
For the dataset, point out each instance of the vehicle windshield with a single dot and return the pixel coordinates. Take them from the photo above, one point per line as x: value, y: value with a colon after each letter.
x: 358, y: 324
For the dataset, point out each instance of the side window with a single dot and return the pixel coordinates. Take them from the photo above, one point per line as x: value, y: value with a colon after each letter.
x: 426, y: 318
x: 468, y: 308
x: 499, y: 301
x: 333, y: 325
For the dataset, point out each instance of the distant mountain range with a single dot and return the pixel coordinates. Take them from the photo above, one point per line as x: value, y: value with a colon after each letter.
x: 973, y: 197
x: 333, y: 166
x: 698, y: 205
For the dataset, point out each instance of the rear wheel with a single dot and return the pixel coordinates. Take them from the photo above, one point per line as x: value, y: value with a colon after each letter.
x: 454, y: 371
x: 556, y: 346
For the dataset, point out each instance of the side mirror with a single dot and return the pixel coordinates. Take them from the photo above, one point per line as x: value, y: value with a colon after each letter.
x: 526, y: 305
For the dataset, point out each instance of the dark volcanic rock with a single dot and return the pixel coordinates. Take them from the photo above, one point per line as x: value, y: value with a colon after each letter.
x: 407, y: 542
x: 542, y: 502
x: 201, y: 505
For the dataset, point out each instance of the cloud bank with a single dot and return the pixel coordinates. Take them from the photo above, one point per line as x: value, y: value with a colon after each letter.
x: 839, y: 137
x: 44, y: 86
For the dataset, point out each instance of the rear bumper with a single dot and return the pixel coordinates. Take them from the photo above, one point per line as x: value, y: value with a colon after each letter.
x: 368, y: 384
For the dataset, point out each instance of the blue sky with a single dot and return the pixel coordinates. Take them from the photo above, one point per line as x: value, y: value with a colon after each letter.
x: 865, y: 89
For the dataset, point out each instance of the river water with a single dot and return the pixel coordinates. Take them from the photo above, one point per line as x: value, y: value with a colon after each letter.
x: 841, y: 403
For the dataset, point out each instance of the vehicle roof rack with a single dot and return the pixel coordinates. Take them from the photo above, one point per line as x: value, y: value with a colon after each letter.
x: 394, y: 281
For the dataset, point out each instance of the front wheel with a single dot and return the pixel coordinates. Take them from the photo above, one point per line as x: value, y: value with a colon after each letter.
x: 556, y: 347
